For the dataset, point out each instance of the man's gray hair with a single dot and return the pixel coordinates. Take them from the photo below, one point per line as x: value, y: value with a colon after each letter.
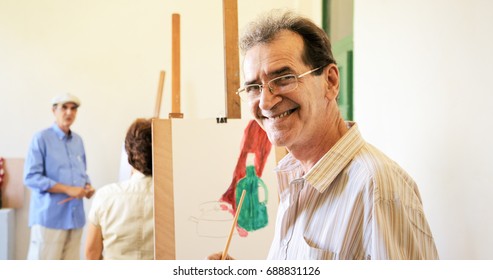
x: 317, y: 48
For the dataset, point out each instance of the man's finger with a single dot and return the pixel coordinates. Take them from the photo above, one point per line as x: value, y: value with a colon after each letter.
x: 65, y: 200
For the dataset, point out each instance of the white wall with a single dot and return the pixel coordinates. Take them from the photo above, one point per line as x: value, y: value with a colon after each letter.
x: 109, y: 53
x: 423, y: 94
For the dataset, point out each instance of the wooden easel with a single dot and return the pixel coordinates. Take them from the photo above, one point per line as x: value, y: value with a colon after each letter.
x: 231, y: 62
x: 175, y: 67
x: 231, y: 58
x: 164, y: 209
x: 164, y: 230
x: 159, y: 95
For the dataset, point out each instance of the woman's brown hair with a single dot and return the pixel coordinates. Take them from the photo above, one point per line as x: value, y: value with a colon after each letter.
x: 138, y: 145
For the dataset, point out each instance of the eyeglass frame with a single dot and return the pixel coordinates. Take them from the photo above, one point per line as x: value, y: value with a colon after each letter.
x: 261, y: 86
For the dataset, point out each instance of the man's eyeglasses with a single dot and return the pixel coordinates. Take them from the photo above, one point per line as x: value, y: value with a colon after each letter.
x: 277, y: 86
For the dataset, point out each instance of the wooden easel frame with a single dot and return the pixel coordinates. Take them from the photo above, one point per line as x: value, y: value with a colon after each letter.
x: 164, y: 213
x: 164, y: 229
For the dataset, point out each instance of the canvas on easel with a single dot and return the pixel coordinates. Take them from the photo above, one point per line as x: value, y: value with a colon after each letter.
x: 194, y: 162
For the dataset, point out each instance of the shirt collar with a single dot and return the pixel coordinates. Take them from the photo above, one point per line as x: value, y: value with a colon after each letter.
x: 59, y: 132
x: 336, y: 159
x: 137, y: 175
x: 321, y: 175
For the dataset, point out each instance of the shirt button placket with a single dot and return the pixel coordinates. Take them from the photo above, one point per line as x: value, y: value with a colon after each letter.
x: 291, y: 215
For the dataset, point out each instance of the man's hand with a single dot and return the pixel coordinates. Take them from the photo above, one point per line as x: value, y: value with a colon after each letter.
x: 76, y: 192
x: 73, y: 192
x: 218, y: 256
x: 89, y: 191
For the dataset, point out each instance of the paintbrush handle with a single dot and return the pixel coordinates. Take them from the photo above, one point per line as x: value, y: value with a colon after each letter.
x: 238, y: 209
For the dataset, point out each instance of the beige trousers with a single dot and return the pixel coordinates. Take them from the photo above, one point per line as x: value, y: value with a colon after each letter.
x: 54, y: 244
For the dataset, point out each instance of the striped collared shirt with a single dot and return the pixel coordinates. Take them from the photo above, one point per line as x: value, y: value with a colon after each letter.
x: 355, y: 203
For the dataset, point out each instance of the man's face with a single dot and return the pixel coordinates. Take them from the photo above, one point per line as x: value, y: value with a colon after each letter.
x: 65, y: 115
x: 295, y: 118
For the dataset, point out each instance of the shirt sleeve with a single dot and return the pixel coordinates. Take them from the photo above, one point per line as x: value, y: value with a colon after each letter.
x: 94, y: 217
x: 400, y: 229
x: 34, y: 166
x: 88, y: 180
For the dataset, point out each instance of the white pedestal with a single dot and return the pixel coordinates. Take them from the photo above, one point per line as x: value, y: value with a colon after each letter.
x: 7, y: 229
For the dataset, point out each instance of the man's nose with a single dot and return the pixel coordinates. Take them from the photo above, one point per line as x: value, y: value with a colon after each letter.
x: 267, y: 98
x: 70, y: 110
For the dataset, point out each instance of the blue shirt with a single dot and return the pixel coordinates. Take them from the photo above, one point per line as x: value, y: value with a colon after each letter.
x: 55, y: 157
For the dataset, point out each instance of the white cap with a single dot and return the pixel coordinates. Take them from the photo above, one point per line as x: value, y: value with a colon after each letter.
x: 65, y: 98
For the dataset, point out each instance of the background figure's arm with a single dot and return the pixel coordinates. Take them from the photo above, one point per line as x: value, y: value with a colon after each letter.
x: 94, y: 243
x: 34, y: 167
x: 75, y: 192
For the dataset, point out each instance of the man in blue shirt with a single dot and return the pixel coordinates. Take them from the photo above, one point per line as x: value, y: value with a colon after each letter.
x: 55, y: 171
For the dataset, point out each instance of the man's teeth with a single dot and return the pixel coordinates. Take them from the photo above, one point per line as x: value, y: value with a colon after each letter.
x: 283, y: 115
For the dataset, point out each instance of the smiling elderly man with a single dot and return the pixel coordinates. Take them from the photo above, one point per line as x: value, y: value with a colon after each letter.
x: 340, y: 197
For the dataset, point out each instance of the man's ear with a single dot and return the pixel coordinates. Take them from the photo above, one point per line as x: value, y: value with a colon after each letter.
x: 331, y: 74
